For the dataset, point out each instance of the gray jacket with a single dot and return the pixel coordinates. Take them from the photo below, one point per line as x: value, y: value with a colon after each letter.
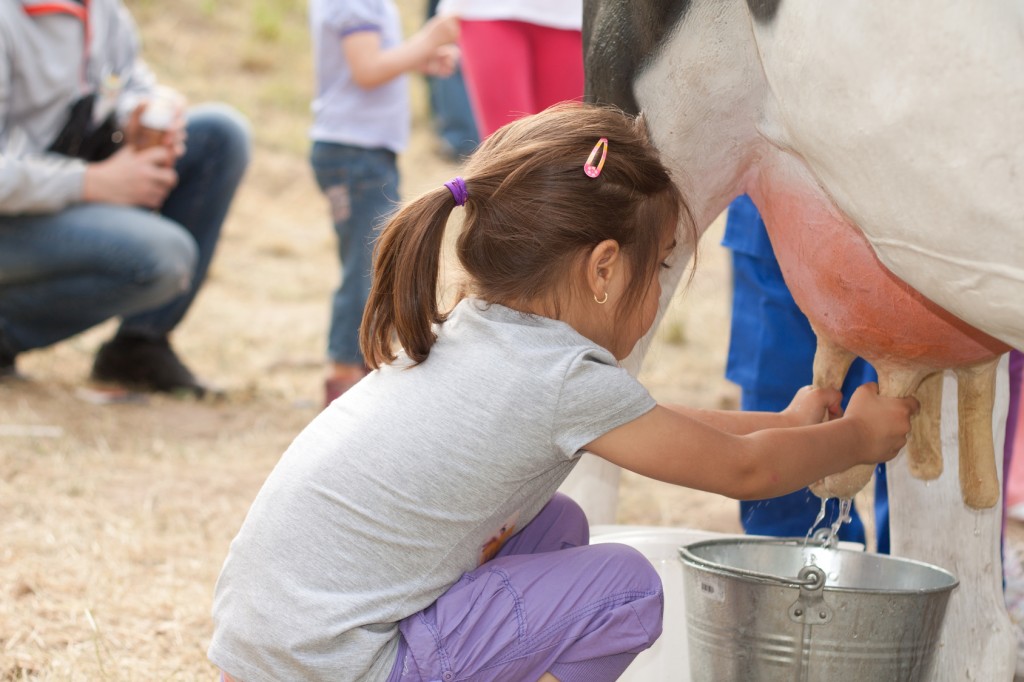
x: 41, y: 76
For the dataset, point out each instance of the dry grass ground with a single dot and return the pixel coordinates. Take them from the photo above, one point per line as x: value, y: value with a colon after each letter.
x: 114, y: 519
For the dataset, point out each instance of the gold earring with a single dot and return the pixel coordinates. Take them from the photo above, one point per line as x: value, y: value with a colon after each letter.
x: 603, y: 300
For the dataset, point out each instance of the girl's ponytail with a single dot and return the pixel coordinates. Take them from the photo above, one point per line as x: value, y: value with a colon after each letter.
x: 403, y: 302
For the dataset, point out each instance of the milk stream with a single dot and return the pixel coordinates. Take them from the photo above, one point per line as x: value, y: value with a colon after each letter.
x: 831, y: 540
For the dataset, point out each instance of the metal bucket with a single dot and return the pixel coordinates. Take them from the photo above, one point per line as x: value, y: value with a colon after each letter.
x: 782, y: 610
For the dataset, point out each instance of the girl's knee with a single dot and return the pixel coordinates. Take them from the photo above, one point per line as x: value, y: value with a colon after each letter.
x: 649, y: 604
x: 629, y: 577
x: 633, y: 570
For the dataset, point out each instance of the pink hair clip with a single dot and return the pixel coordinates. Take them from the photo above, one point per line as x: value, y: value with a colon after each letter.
x: 589, y: 168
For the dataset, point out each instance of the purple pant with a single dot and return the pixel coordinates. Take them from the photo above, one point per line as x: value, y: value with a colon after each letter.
x: 547, y: 602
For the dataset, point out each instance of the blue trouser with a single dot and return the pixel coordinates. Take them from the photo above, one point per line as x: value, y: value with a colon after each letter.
x: 547, y: 602
x: 451, y: 109
x: 361, y: 186
x: 771, y: 354
x: 453, y: 114
x: 65, y: 272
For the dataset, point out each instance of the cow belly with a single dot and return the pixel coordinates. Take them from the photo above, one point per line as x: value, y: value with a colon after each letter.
x: 848, y: 295
x: 858, y: 307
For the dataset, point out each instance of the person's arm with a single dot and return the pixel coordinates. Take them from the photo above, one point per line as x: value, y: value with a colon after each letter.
x: 670, y: 446
x: 44, y: 182
x: 30, y: 183
x: 373, y: 66
x: 137, y: 85
x: 804, y: 409
x: 39, y: 184
x: 47, y: 183
x: 134, y: 77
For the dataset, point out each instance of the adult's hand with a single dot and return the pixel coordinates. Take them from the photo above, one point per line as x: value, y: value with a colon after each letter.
x: 174, y: 136
x: 131, y: 177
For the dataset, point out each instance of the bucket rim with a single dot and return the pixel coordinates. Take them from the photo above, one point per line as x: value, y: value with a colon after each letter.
x: 686, y: 556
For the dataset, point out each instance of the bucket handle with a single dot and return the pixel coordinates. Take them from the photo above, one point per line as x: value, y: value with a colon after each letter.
x: 810, y: 607
x: 810, y: 580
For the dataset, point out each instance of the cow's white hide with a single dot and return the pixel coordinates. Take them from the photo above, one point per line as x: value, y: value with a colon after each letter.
x: 909, y: 119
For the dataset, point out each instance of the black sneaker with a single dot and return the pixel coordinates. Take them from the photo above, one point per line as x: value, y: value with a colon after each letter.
x: 147, y: 364
x: 8, y: 370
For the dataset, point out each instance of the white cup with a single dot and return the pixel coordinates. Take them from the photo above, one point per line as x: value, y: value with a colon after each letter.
x: 157, y: 118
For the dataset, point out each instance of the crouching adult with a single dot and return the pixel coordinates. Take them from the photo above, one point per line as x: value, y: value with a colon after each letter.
x: 101, y: 215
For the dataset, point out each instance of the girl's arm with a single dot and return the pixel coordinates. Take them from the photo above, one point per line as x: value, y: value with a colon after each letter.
x: 372, y: 66
x: 803, y: 410
x: 670, y: 446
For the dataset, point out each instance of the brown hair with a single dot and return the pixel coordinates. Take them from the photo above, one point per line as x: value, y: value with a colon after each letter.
x: 531, y: 213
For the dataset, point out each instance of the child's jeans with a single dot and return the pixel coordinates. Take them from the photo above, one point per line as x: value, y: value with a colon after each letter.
x: 547, y: 602
x: 361, y: 186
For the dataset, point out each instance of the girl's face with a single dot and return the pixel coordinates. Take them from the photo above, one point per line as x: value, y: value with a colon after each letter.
x: 638, y: 322
x: 617, y: 329
x: 607, y: 323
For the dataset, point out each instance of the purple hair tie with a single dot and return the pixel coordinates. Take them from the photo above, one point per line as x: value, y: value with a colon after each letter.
x: 457, y: 186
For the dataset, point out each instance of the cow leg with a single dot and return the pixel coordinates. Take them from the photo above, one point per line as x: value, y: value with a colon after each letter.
x: 977, y: 640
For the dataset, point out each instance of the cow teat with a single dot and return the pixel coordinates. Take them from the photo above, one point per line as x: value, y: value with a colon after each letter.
x: 979, y: 479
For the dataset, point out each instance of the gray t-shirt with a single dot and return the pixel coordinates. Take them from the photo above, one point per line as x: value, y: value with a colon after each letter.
x: 405, y: 483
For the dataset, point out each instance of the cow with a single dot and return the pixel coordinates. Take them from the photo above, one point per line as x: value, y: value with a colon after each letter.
x: 884, y: 147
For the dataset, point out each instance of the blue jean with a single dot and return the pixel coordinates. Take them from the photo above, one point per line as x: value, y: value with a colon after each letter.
x: 65, y: 272
x: 451, y: 109
x: 453, y: 114
x: 547, y: 602
x: 361, y: 186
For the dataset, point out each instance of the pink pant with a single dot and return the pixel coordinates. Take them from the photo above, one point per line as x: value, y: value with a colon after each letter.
x: 513, y: 68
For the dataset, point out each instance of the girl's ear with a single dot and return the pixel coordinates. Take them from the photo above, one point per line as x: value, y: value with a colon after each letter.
x: 602, y: 263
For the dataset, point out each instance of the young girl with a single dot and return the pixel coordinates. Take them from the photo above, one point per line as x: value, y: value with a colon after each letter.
x: 412, y: 531
x: 360, y: 123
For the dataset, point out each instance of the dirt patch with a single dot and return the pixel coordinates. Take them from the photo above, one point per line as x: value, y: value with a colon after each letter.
x: 115, y: 519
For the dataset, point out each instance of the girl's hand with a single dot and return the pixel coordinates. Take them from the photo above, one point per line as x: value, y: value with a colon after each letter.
x: 441, y: 30
x: 812, y: 405
x: 442, y: 63
x: 884, y: 422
